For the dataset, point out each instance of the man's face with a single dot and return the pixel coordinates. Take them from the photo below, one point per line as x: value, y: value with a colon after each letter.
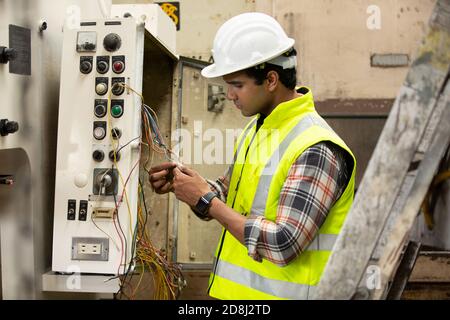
x: 245, y: 94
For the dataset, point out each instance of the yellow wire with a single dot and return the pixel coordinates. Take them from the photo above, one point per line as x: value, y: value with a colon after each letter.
x: 147, y: 254
x: 118, y: 170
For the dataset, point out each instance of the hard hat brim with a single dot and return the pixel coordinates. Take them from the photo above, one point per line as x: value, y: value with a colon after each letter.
x: 212, y: 71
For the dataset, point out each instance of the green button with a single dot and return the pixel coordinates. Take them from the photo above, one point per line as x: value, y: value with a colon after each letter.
x: 116, y: 110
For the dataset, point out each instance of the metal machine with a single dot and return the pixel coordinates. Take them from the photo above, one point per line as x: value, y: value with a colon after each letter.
x: 30, y: 55
x: 98, y: 147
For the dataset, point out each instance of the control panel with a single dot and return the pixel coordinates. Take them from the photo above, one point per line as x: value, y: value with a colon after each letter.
x: 97, y: 170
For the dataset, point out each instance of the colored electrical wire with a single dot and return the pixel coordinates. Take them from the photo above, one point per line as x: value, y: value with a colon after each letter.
x: 167, y: 277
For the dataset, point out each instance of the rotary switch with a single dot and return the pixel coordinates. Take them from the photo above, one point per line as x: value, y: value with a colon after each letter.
x: 116, y: 133
x: 86, y: 67
x: 102, y: 67
x: 111, y: 155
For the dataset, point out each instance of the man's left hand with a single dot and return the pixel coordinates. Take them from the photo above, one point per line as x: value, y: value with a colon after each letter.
x: 189, y: 186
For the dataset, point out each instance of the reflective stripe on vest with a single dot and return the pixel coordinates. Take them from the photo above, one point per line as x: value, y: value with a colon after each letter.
x: 262, y: 191
x: 278, y: 288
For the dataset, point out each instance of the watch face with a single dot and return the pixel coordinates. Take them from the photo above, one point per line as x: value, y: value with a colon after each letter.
x: 202, y: 206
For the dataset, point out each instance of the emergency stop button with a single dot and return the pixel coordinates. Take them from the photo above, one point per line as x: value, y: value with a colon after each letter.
x: 112, y: 42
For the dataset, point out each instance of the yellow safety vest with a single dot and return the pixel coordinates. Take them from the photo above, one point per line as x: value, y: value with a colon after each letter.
x: 255, y: 186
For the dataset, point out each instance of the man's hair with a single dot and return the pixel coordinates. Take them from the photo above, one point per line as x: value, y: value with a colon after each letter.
x: 288, y: 77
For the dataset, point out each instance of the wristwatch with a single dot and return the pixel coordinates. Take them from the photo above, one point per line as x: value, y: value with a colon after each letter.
x: 203, y: 205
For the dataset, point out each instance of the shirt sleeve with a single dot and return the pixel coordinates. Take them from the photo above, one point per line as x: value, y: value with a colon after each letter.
x: 314, y: 183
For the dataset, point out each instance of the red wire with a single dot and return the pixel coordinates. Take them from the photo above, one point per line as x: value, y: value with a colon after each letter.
x: 122, y: 256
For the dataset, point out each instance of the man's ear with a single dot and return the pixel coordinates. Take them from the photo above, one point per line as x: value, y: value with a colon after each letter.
x: 273, y: 80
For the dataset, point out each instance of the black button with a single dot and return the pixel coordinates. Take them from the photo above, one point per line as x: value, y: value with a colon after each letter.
x: 112, y: 42
x: 98, y: 155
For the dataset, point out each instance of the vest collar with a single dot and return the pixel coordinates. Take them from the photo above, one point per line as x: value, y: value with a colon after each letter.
x: 290, y: 109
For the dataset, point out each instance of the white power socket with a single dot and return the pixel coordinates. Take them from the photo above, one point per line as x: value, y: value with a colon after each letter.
x: 89, y: 248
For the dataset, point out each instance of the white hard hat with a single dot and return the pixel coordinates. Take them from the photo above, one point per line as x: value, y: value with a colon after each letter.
x: 245, y: 41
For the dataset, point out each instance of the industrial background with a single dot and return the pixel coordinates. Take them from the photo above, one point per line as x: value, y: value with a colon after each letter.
x: 353, y: 54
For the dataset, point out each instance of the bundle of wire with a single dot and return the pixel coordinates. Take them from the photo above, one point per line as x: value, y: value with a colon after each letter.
x: 167, y: 277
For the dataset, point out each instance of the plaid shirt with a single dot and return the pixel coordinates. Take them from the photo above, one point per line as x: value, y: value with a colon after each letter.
x: 314, y: 183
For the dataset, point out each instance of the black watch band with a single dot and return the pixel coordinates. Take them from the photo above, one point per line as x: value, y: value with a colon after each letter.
x: 203, y: 205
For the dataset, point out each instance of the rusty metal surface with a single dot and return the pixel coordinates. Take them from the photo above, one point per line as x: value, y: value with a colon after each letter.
x: 355, y: 108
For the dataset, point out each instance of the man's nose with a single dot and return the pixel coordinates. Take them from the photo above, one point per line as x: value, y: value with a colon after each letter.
x: 230, y: 94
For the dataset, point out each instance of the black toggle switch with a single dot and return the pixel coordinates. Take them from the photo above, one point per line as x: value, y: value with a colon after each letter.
x: 8, y: 127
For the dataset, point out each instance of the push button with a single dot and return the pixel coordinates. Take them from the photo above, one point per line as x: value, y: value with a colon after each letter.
x: 118, y: 67
x: 117, y: 111
x: 101, y: 88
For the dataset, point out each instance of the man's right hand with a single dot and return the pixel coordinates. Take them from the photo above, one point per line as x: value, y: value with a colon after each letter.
x: 161, y: 177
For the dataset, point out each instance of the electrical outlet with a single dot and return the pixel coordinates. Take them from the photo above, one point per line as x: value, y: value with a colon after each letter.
x: 89, y: 248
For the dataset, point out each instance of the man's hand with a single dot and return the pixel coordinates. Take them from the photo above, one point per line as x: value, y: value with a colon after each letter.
x: 161, y: 177
x: 189, y: 186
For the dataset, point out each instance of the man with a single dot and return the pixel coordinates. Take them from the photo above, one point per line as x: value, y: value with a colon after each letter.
x: 282, y: 207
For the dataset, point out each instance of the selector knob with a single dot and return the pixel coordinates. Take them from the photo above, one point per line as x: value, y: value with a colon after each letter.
x: 116, y: 133
x: 111, y: 155
x: 101, y: 88
x: 86, y: 67
x: 117, y: 89
x: 104, y: 180
x: 100, y: 111
x: 112, y: 42
x: 98, y: 155
x: 8, y: 127
x: 102, y: 67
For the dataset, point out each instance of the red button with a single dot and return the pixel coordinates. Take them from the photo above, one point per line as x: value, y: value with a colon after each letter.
x: 118, y: 66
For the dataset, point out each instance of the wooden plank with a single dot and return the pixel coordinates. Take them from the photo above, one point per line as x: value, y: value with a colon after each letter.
x: 428, y: 167
x: 432, y: 267
x: 389, y: 166
x: 404, y: 271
